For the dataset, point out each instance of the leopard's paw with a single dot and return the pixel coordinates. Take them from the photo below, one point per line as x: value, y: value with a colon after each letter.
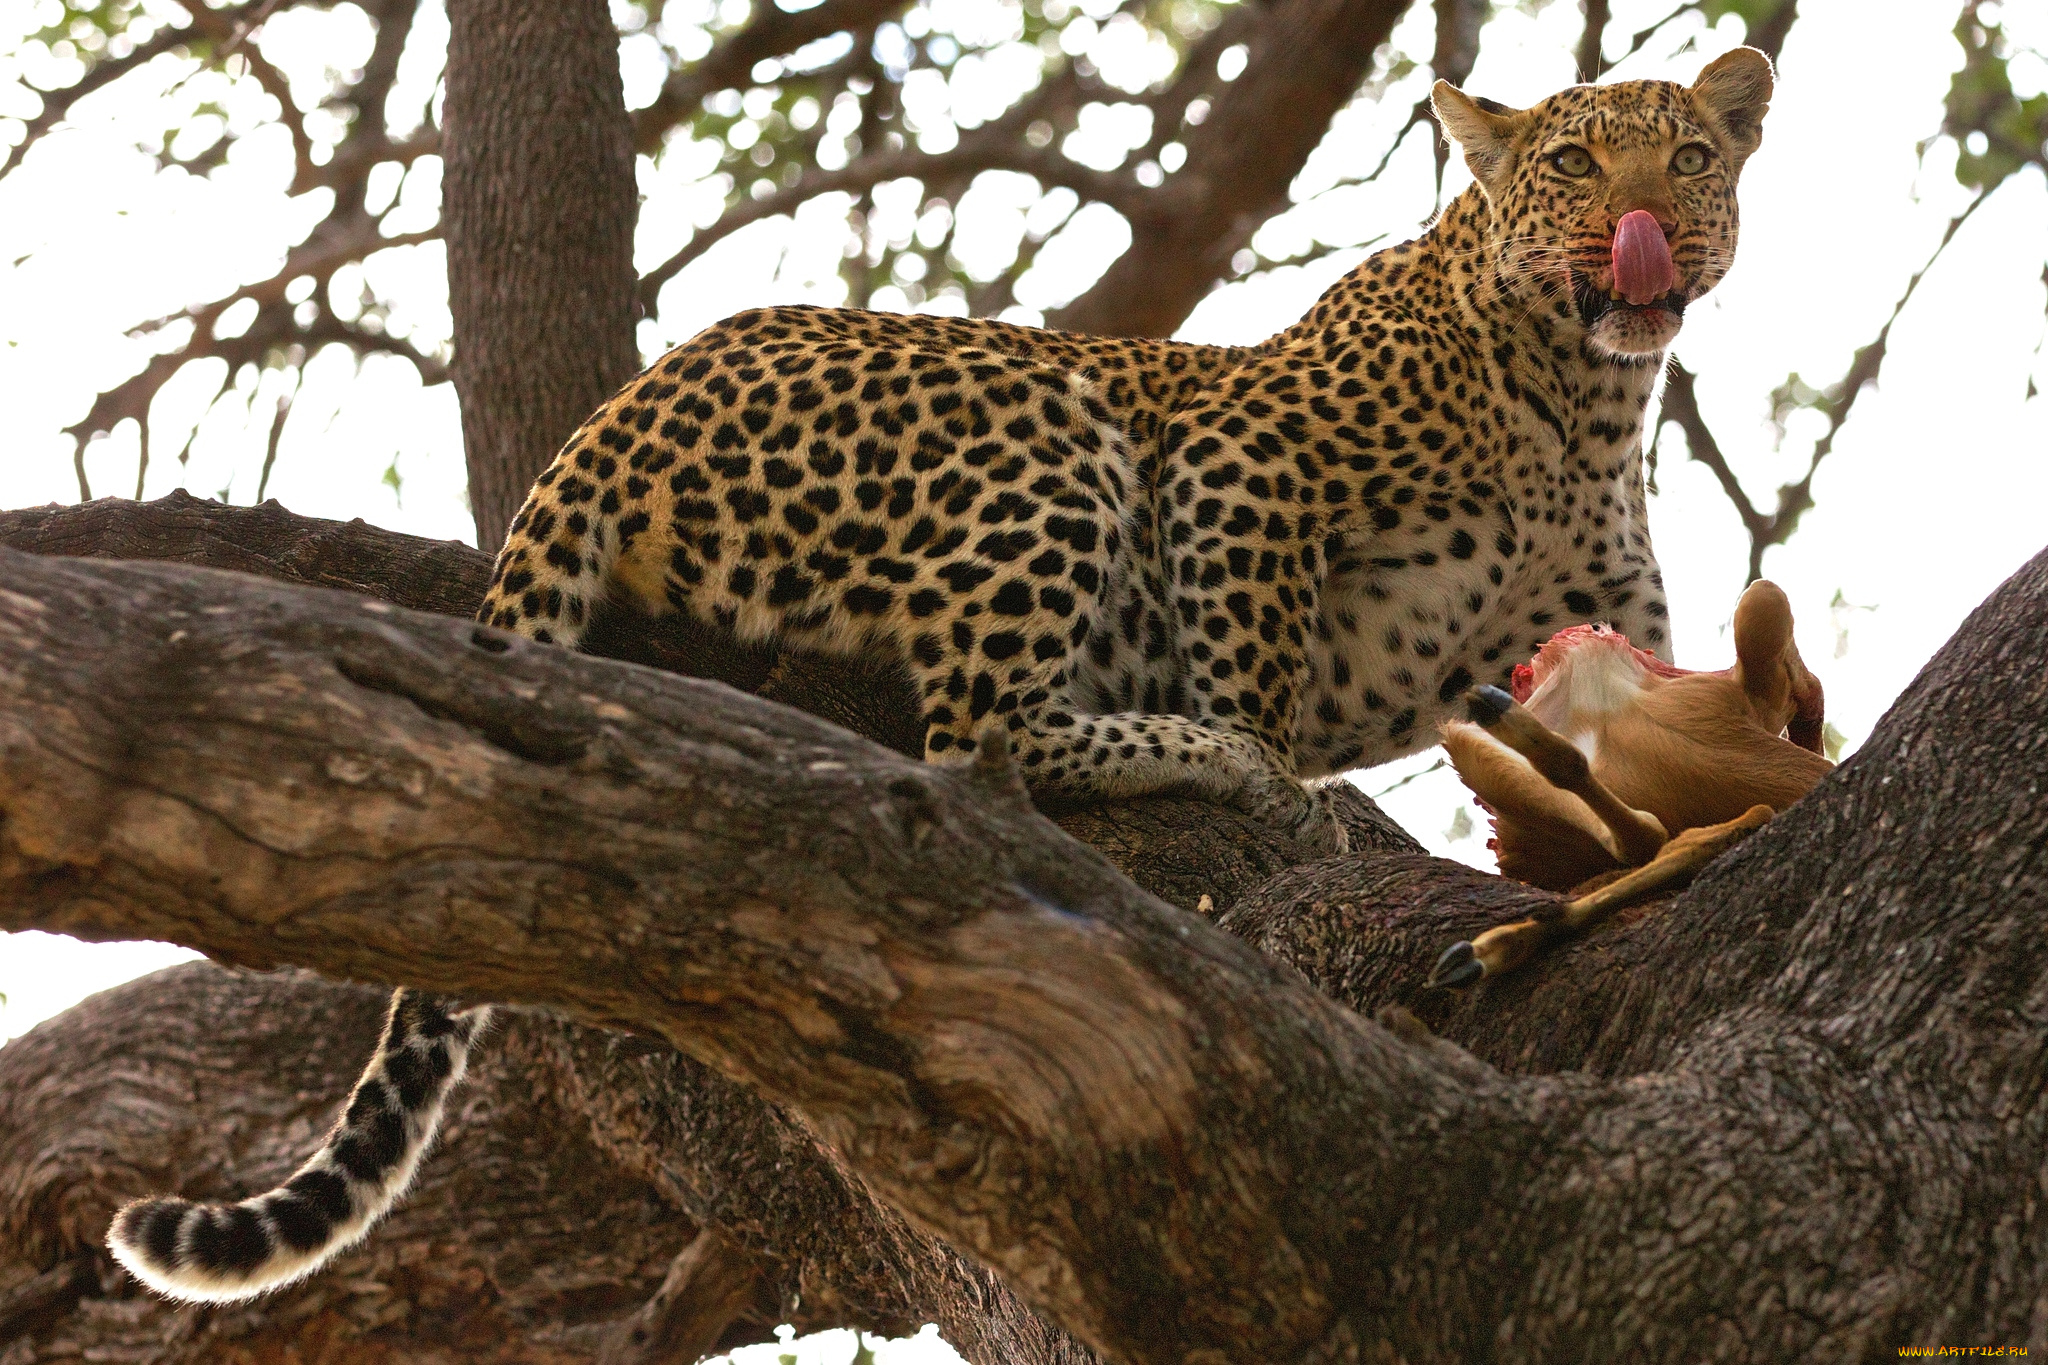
x: 1323, y: 831
x: 1307, y: 814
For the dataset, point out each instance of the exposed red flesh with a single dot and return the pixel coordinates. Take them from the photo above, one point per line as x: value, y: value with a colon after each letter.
x: 1528, y: 677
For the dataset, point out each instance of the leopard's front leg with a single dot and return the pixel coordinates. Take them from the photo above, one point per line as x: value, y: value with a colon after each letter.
x: 1068, y: 753
x: 1076, y: 754
x: 1243, y: 609
x: 994, y: 652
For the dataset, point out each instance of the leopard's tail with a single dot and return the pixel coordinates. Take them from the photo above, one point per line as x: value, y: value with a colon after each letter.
x: 224, y: 1252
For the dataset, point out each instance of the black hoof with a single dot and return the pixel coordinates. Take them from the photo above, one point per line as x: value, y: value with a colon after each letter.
x: 1457, y: 968
x: 1486, y: 704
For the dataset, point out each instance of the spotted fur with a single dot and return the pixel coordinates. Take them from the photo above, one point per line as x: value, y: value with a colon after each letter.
x: 225, y: 1252
x: 1152, y: 566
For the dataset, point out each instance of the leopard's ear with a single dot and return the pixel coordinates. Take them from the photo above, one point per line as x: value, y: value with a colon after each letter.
x: 1485, y: 130
x: 1734, y: 94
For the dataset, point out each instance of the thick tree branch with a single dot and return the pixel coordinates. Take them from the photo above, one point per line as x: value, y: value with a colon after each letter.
x: 203, y: 1078
x: 1007, y: 1041
x: 1178, y: 848
x: 1588, y: 63
x: 576, y: 1167
x: 931, y: 936
x: 443, y: 576
x: 1257, y: 134
x: 831, y: 1256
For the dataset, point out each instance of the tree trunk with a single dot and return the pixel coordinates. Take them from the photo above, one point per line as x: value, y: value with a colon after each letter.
x: 1796, y: 1112
x: 538, y: 207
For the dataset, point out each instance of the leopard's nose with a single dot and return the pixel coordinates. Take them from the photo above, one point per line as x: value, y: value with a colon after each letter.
x: 1635, y: 191
x: 1665, y: 216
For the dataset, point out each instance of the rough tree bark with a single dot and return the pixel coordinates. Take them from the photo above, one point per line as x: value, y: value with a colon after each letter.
x: 538, y: 210
x: 1797, y: 1111
x: 821, y: 1252
x: 207, y: 1078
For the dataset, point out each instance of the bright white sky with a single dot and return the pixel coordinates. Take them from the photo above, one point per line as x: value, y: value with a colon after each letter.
x: 1933, y: 495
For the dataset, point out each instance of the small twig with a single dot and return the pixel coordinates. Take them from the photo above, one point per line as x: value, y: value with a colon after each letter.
x: 1437, y: 766
x: 276, y: 436
x: 279, y: 88
x: 142, y: 453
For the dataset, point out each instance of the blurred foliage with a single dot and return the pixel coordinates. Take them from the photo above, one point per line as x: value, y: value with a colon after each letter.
x: 86, y: 32
x: 1998, y: 133
x: 1753, y: 13
x: 910, y: 122
x: 895, y: 87
x: 871, y: 110
x: 1995, y: 135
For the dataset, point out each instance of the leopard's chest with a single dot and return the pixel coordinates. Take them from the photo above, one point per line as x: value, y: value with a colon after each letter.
x: 1548, y: 531
x: 1396, y: 642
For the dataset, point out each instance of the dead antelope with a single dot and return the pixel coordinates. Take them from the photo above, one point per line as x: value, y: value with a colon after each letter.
x: 1615, y: 775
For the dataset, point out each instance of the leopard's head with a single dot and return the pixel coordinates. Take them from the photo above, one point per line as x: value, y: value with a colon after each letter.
x: 1563, y: 178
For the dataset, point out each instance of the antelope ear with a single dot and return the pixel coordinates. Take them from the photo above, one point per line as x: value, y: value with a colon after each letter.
x: 1763, y: 643
x: 1485, y: 130
x: 1734, y: 94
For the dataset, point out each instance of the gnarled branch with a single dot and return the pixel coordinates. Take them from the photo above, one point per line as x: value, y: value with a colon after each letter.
x: 1159, y: 1139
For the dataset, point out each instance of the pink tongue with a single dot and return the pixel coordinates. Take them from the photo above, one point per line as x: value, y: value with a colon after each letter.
x: 1642, y: 259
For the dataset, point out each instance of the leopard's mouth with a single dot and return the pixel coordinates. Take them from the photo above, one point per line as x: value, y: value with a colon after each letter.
x: 1594, y: 303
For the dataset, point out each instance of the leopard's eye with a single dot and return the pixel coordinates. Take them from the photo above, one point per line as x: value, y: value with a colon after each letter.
x: 1690, y: 160
x: 1574, y: 161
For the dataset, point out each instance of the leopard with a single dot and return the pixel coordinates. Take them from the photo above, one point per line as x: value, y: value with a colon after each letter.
x: 1138, y: 566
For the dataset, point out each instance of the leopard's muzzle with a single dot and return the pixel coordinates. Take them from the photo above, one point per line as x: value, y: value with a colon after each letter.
x: 1593, y: 303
